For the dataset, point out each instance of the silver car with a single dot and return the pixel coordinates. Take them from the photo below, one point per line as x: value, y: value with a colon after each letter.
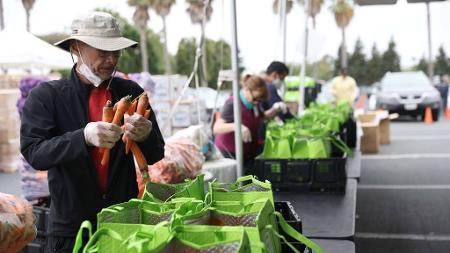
x: 408, y: 93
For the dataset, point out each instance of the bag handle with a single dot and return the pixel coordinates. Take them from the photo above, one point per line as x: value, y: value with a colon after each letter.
x: 139, y: 238
x: 296, y: 235
x: 85, y: 225
x: 341, y: 145
x: 92, y: 247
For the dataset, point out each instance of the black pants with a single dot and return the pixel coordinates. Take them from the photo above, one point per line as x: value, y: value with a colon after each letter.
x: 59, y: 244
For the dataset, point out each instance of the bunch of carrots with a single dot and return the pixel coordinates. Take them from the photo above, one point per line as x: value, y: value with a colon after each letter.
x: 115, y: 114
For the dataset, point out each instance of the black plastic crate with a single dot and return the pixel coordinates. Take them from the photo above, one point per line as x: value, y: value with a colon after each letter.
x: 285, y: 174
x: 41, y: 214
x: 327, y: 174
x: 36, y: 246
x: 287, y: 210
x: 290, y: 216
x: 330, y: 174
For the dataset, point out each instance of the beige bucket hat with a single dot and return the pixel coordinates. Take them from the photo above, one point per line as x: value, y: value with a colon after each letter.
x: 99, y: 30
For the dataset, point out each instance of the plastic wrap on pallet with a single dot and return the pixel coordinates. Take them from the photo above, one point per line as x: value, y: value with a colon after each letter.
x: 182, y: 159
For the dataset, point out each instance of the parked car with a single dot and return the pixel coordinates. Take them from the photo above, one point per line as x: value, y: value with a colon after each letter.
x: 408, y: 93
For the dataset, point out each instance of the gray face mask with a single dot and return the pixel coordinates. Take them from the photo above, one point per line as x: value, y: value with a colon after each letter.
x: 87, y: 72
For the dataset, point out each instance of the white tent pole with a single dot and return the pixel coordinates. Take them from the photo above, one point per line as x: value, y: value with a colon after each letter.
x: 301, y: 101
x: 236, y: 100
x: 283, y: 28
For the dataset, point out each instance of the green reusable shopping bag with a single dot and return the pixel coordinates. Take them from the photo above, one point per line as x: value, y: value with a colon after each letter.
x: 311, y: 148
x: 246, y: 193
x: 319, y: 148
x: 138, y: 211
x: 277, y: 145
x: 300, y: 149
x: 205, y: 239
x: 157, y: 192
x: 120, y: 238
x: 258, y: 214
x: 262, y: 216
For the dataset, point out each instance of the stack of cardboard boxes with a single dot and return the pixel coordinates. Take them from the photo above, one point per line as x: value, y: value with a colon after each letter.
x: 168, y: 89
x: 376, y: 130
x: 9, y: 130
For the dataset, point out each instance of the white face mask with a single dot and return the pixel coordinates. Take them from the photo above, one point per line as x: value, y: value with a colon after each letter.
x: 277, y: 83
x: 87, y: 72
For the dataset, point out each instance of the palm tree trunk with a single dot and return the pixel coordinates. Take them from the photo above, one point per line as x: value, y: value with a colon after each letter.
x: 28, y: 20
x: 2, y: 20
x: 144, y: 54
x: 204, y: 61
x: 166, y: 50
x: 343, y: 51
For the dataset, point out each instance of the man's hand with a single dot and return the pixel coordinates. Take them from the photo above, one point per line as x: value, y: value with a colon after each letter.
x: 102, y: 134
x: 137, y: 127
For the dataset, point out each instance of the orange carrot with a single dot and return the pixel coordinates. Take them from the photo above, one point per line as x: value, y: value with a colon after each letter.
x: 140, y: 159
x: 142, y: 105
x: 122, y: 108
x: 130, y: 112
x: 132, y: 108
x: 107, y: 116
x: 147, y: 113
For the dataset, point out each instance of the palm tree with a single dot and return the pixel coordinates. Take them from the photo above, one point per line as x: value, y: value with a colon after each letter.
x: 276, y: 5
x: 2, y: 21
x: 343, y: 13
x: 162, y: 8
x: 28, y: 5
x: 140, y: 18
x: 195, y: 10
x: 314, y: 9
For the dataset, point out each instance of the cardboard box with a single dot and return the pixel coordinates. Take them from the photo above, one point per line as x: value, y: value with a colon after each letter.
x: 370, y: 140
x: 10, y: 166
x: 385, y: 134
x: 168, y: 87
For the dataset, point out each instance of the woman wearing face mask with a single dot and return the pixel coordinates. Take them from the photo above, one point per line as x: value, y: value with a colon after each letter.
x: 254, y: 92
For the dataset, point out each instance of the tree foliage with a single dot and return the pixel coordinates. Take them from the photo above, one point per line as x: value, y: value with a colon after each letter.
x: 357, y: 65
x: 390, y: 59
x: 218, y: 53
x: 442, y: 63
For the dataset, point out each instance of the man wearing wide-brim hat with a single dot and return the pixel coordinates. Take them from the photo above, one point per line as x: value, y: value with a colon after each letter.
x: 62, y: 131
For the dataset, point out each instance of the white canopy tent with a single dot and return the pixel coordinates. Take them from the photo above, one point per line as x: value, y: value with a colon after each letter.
x: 23, y: 50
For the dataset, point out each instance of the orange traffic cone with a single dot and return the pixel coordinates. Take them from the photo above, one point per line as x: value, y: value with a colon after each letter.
x: 428, y: 119
x: 447, y: 113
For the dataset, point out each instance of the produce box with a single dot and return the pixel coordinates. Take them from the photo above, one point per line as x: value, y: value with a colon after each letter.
x: 370, y: 140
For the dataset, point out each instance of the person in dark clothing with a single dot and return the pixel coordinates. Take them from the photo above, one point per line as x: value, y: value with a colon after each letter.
x: 443, y: 90
x: 62, y: 131
x: 275, y: 74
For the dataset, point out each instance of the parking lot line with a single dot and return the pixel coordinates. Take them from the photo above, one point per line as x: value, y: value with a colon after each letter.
x: 402, y: 187
x: 405, y: 156
x: 424, y: 237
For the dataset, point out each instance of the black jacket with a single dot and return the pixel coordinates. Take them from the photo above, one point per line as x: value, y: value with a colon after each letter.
x: 51, y: 138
